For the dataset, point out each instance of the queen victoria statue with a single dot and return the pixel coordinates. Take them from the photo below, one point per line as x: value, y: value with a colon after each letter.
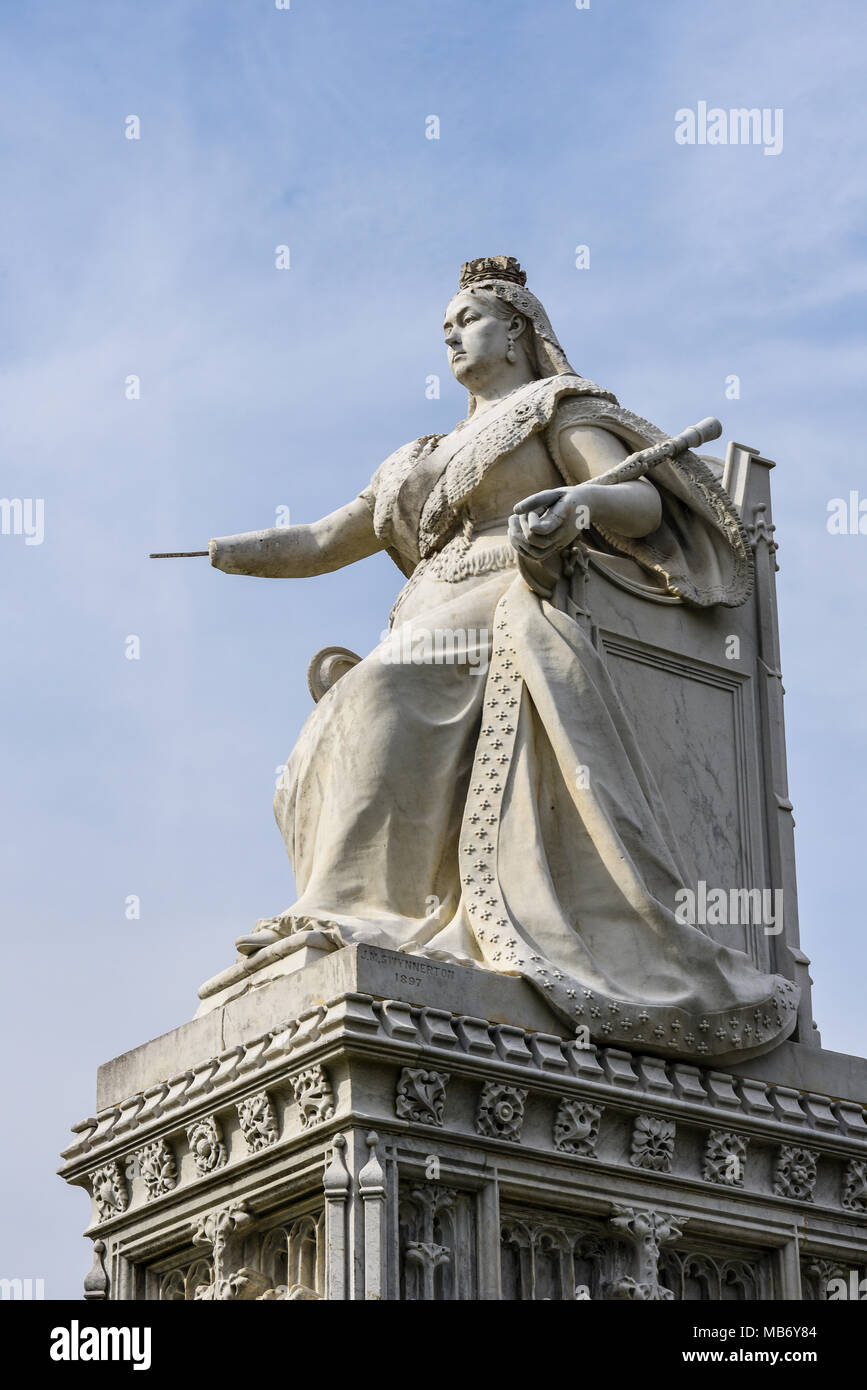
x: 473, y: 789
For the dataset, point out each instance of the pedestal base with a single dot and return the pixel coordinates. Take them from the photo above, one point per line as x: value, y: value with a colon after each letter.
x: 378, y: 1126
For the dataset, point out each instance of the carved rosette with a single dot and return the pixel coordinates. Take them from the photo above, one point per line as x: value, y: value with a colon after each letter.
x: 576, y: 1127
x: 158, y: 1169
x: 725, y: 1158
x: 258, y: 1121
x: 855, y: 1185
x: 421, y: 1095
x: 109, y: 1190
x: 795, y: 1173
x: 500, y: 1113
x: 206, y: 1145
x: 314, y: 1095
x: 652, y: 1143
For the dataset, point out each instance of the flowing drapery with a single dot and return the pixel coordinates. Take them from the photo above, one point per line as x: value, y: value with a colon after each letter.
x: 492, y: 805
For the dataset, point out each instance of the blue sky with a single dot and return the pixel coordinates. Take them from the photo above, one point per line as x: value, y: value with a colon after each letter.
x: 262, y: 388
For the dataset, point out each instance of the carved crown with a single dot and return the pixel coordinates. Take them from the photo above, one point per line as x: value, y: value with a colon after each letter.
x: 492, y: 268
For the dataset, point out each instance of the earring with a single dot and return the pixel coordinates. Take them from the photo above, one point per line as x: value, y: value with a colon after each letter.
x: 510, y: 351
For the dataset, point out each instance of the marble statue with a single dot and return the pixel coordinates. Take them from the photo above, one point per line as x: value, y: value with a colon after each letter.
x: 472, y: 790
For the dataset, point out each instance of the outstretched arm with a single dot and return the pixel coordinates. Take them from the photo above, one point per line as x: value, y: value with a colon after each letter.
x: 296, y: 552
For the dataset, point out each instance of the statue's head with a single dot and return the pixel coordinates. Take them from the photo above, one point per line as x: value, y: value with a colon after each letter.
x: 495, y: 328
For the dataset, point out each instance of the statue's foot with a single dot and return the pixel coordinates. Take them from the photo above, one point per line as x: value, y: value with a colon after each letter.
x: 256, y: 940
x: 323, y: 934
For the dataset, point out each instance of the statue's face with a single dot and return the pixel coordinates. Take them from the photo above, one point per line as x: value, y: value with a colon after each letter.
x: 477, y: 339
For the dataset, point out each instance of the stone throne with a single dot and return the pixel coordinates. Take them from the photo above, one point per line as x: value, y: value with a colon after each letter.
x: 380, y: 1126
x: 716, y: 743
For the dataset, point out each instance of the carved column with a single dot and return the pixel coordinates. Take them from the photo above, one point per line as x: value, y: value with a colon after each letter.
x: 371, y: 1185
x: 747, y: 478
x: 788, y: 1272
x: 490, y: 1272
x: 337, y: 1184
x: 647, y: 1231
x: 224, y: 1230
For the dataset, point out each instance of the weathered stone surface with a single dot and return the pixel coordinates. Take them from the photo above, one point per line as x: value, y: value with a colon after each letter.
x: 447, y: 1101
x: 552, y: 516
x: 355, y: 969
x: 519, y: 1045
x: 533, y: 1098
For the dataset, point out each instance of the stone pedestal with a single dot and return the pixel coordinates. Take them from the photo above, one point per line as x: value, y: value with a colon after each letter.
x: 378, y: 1126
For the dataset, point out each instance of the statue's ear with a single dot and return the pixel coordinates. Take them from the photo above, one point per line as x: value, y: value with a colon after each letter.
x: 517, y: 324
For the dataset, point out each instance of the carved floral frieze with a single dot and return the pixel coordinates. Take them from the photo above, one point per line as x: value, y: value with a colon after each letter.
x: 314, y: 1095
x: 855, y: 1185
x: 258, y: 1121
x: 500, y: 1113
x: 652, y: 1143
x: 110, y: 1190
x: 795, y: 1173
x: 749, y: 1098
x: 421, y: 1095
x: 725, y: 1158
x: 205, y: 1139
x: 158, y: 1169
x: 576, y: 1127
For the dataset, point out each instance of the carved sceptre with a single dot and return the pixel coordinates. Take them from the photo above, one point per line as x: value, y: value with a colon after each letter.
x: 638, y: 464
x: 535, y: 572
x: 175, y: 554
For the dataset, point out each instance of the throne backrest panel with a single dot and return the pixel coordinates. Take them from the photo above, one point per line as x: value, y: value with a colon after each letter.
x: 702, y: 690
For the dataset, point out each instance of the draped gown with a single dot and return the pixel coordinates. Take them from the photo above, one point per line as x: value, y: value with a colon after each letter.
x: 493, y: 807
